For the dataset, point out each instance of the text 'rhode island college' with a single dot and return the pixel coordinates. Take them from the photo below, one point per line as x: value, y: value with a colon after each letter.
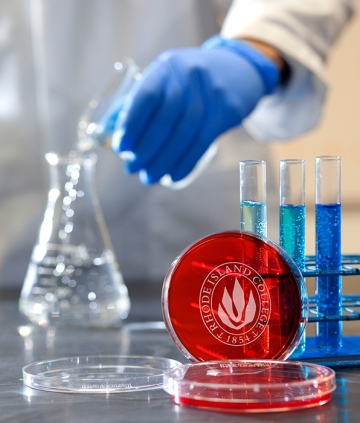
x: 235, y: 303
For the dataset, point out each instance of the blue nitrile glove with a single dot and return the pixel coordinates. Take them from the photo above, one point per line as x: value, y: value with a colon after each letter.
x: 186, y: 99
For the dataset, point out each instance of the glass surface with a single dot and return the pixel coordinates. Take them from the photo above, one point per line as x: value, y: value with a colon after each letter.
x: 234, y: 295
x: 253, y: 181
x: 292, y: 182
x: 328, y: 180
x: 240, y: 386
x: 98, y: 374
x: 107, y: 109
x: 73, y: 277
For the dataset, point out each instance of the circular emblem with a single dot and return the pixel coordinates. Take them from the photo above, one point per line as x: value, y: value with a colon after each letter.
x: 235, y: 304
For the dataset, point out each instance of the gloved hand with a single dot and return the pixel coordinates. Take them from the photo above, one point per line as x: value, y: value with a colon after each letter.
x: 186, y: 99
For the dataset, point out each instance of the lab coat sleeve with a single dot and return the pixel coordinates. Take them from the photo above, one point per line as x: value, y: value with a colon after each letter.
x: 303, y: 31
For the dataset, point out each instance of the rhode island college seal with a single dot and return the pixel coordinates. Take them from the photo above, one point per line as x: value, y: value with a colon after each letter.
x: 235, y: 303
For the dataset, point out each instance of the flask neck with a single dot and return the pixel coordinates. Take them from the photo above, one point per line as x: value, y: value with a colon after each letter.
x: 74, y: 215
x: 71, y: 173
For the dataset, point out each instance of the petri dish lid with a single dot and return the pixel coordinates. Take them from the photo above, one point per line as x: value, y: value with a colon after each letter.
x: 234, y: 295
x: 98, y: 374
x: 250, y: 386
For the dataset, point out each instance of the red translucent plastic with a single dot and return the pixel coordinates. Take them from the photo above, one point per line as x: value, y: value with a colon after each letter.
x: 250, y: 386
x: 233, y: 295
x: 233, y: 407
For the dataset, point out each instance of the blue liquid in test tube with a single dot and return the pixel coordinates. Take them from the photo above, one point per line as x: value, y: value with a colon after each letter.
x: 253, y: 196
x: 292, y: 215
x: 253, y: 217
x: 292, y: 232
x: 328, y: 251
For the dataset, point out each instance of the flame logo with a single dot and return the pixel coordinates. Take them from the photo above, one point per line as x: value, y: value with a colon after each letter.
x: 236, y: 312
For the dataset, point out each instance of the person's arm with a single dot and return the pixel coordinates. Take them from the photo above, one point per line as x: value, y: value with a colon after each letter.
x: 302, y: 33
x: 273, y: 54
x: 265, y: 71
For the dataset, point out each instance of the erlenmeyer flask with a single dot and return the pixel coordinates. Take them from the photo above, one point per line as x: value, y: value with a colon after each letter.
x: 73, y: 277
x: 101, y: 118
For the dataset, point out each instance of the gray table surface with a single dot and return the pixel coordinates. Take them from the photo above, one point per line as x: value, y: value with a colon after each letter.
x: 19, y: 403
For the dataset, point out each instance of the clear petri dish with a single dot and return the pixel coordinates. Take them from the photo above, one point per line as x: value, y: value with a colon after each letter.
x: 235, y: 295
x: 98, y: 374
x: 250, y: 386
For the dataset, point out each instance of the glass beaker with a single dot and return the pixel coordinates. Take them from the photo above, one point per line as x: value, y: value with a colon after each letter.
x: 97, y: 122
x: 106, y: 110
x: 73, y: 277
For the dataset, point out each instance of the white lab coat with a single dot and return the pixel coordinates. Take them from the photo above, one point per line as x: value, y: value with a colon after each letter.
x: 55, y: 52
x: 304, y: 32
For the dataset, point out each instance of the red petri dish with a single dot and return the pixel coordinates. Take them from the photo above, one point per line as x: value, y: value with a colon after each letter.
x: 250, y: 386
x: 234, y: 295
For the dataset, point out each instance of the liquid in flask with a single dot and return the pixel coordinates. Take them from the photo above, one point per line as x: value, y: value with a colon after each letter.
x: 73, y: 277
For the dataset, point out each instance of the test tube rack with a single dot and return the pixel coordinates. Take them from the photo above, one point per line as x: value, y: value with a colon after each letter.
x: 349, y: 353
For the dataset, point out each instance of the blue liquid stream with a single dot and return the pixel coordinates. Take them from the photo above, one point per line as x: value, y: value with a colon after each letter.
x: 328, y: 288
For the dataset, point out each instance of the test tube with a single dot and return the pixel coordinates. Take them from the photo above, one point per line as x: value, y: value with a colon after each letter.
x: 253, y: 196
x: 328, y: 250
x: 292, y: 217
x: 292, y: 209
x: 253, y: 219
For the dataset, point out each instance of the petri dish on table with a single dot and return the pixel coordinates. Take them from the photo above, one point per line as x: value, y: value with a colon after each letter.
x: 235, y: 295
x: 250, y: 386
x: 98, y: 374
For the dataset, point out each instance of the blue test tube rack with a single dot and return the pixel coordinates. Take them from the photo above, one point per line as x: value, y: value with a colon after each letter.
x: 349, y: 353
x: 330, y: 346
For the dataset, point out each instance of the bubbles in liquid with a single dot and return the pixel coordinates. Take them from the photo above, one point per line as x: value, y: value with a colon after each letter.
x: 76, y: 289
x: 292, y: 232
x: 328, y: 288
x: 253, y: 217
x: 73, y: 277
